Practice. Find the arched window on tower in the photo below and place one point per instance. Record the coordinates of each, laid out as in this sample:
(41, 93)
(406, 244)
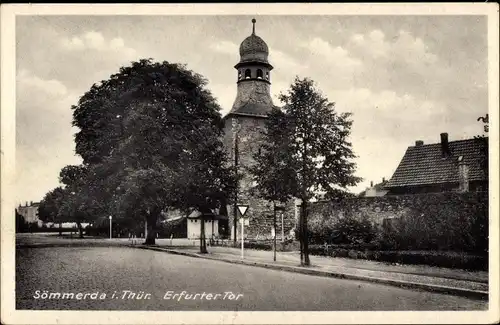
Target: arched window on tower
(248, 74)
(259, 74)
(239, 74)
(267, 75)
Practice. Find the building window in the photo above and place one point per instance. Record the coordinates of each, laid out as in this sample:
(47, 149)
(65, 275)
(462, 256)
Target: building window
(239, 74)
(248, 74)
(267, 75)
(259, 74)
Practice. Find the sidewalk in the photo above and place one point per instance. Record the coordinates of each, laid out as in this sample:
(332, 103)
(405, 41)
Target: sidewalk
(453, 281)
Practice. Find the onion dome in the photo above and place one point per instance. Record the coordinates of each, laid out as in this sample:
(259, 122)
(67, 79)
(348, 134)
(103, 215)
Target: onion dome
(253, 48)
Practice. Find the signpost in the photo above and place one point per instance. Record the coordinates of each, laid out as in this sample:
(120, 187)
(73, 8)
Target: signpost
(110, 223)
(281, 209)
(243, 209)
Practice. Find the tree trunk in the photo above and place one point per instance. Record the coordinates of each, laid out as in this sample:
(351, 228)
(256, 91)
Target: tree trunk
(80, 229)
(304, 234)
(151, 221)
(203, 242)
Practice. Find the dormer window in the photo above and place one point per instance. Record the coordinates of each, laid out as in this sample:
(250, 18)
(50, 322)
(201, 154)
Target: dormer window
(259, 74)
(248, 74)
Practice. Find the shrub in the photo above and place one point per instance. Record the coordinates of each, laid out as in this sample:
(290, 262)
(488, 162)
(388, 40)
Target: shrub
(259, 245)
(440, 259)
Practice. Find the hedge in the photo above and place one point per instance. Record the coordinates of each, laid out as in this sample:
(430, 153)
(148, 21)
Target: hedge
(435, 221)
(460, 260)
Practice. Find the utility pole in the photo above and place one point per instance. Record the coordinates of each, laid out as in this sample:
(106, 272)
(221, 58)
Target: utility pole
(235, 204)
(274, 228)
(282, 227)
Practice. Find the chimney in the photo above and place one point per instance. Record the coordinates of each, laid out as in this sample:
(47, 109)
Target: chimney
(31, 203)
(383, 179)
(371, 183)
(26, 203)
(419, 143)
(445, 148)
(463, 175)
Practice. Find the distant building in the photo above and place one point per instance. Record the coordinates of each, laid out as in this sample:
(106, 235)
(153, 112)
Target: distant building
(375, 190)
(211, 225)
(190, 225)
(442, 167)
(30, 212)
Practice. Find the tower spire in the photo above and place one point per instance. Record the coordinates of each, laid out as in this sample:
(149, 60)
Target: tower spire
(253, 27)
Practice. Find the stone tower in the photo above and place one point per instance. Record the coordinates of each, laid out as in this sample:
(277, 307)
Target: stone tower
(243, 126)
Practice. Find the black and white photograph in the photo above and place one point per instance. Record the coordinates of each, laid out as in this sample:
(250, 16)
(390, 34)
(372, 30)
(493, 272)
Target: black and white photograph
(308, 163)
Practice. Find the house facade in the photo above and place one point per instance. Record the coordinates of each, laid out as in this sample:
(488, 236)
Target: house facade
(459, 166)
(30, 212)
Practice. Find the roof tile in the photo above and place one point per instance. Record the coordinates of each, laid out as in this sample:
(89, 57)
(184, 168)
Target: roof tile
(424, 165)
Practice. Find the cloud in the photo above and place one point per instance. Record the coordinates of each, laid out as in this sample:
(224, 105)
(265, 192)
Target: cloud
(386, 114)
(225, 47)
(95, 41)
(44, 135)
(403, 47)
(52, 88)
(332, 65)
(77, 60)
(334, 55)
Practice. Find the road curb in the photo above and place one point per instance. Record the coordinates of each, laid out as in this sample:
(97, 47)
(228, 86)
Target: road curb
(75, 244)
(477, 294)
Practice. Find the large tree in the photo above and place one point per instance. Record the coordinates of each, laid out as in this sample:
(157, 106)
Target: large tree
(151, 137)
(311, 148)
(274, 168)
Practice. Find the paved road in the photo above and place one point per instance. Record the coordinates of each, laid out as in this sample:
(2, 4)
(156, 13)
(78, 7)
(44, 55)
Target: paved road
(108, 270)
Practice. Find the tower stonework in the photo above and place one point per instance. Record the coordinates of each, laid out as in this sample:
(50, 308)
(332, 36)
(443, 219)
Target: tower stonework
(243, 139)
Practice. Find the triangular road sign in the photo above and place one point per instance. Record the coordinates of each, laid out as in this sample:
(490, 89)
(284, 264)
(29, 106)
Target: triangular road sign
(243, 209)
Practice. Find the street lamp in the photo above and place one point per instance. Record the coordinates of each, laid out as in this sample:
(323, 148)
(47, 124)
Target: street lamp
(110, 225)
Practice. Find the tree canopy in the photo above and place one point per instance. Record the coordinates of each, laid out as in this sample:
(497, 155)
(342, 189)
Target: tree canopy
(307, 151)
(150, 139)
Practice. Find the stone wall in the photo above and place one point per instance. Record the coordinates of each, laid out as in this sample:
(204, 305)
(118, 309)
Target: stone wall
(435, 220)
(260, 211)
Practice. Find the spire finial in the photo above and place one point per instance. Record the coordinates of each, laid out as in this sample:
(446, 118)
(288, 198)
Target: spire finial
(253, 28)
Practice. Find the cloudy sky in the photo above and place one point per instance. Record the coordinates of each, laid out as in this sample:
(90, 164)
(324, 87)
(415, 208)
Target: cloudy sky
(404, 78)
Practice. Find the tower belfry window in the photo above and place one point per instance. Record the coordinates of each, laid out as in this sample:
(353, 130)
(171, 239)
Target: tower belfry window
(259, 74)
(267, 75)
(239, 74)
(248, 74)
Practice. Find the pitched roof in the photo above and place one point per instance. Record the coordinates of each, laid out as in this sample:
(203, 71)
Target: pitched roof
(253, 109)
(424, 164)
